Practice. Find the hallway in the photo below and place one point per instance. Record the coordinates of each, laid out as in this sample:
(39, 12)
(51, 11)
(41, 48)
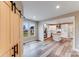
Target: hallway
(48, 49)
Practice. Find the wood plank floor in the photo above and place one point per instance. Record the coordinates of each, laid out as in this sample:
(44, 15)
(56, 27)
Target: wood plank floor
(48, 49)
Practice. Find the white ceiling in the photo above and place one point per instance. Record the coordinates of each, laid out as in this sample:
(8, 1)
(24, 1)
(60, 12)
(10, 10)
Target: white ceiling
(47, 9)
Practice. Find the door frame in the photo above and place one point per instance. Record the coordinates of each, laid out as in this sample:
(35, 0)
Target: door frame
(74, 33)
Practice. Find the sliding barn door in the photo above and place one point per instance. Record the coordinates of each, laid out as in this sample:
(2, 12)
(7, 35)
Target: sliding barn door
(4, 29)
(10, 31)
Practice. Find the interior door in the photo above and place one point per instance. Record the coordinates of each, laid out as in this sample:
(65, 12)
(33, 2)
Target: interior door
(16, 28)
(9, 31)
(4, 28)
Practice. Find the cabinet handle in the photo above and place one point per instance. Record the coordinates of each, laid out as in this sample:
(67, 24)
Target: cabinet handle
(13, 51)
(16, 48)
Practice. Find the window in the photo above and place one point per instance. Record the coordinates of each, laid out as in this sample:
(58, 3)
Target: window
(29, 28)
(26, 28)
(32, 28)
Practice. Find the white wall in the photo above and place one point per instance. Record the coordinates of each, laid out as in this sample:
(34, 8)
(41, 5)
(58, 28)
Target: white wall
(53, 21)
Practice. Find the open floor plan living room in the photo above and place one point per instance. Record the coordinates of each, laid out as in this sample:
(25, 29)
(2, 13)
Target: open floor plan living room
(39, 28)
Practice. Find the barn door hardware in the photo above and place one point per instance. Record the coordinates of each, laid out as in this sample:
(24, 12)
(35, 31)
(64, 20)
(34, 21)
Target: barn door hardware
(14, 8)
(12, 5)
(20, 13)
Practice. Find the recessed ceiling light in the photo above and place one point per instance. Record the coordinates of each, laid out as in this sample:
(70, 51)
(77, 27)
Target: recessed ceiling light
(57, 6)
(34, 17)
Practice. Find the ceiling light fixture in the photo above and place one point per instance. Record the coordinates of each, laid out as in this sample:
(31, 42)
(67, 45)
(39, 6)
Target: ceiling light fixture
(57, 6)
(34, 17)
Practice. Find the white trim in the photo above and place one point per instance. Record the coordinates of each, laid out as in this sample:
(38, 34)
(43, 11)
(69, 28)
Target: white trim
(74, 36)
(73, 46)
